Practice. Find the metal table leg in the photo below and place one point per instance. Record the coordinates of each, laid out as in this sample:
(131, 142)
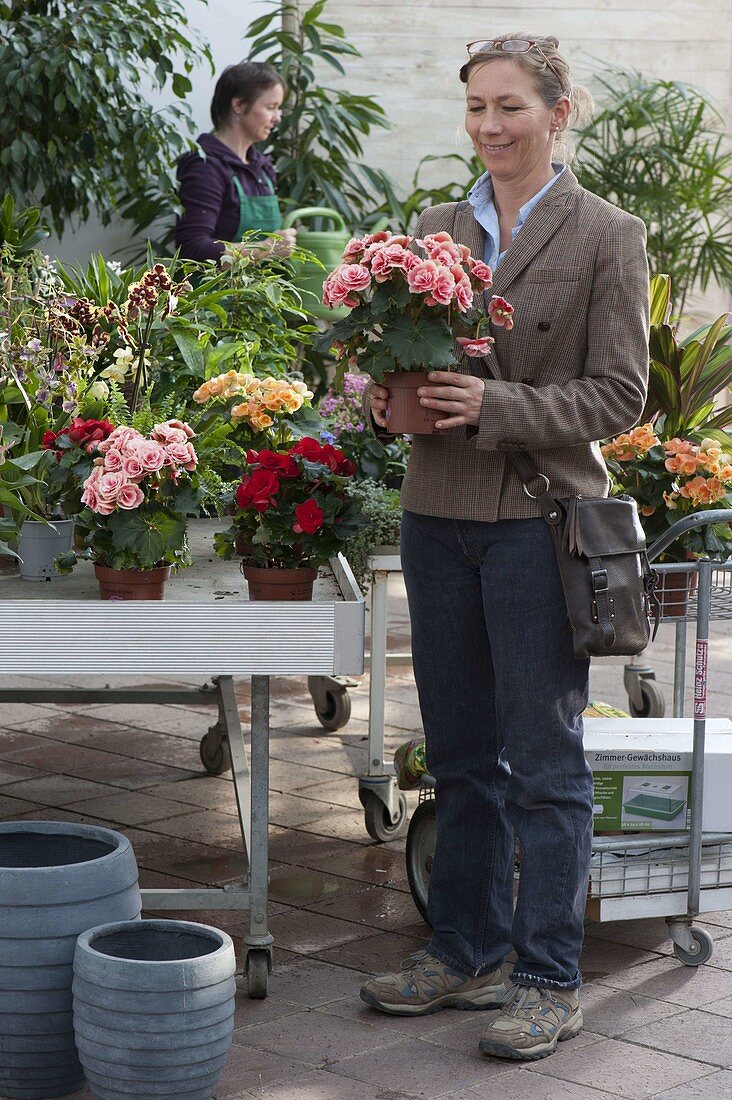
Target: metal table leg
(385, 810)
(259, 941)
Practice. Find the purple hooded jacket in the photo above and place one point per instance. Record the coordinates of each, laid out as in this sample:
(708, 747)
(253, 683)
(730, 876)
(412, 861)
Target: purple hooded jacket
(210, 202)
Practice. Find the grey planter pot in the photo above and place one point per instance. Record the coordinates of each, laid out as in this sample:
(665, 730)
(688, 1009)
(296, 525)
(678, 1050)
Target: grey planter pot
(154, 1009)
(38, 546)
(56, 879)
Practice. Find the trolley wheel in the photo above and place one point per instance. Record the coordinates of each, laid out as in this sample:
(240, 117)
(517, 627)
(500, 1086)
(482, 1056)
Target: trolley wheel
(257, 970)
(336, 712)
(215, 754)
(421, 852)
(654, 704)
(705, 947)
(378, 821)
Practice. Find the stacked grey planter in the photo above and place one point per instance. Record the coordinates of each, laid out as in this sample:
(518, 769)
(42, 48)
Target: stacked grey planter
(56, 879)
(154, 1009)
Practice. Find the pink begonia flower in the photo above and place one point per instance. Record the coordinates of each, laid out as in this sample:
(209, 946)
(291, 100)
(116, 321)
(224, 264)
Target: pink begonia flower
(444, 253)
(89, 496)
(113, 459)
(476, 347)
(150, 454)
(355, 247)
(481, 272)
(192, 459)
(163, 433)
(178, 453)
(444, 290)
(410, 261)
(354, 277)
(181, 426)
(109, 485)
(130, 496)
(433, 239)
(501, 312)
(133, 468)
(391, 257)
(120, 438)
(422, 278)
(376, 238)
(464, 295)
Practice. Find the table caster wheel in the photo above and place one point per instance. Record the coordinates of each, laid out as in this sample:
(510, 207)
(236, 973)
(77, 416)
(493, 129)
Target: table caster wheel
(421, 853)
(215, 753)
(653, 705)
(257, 973)
(705, 947)
(378, 820)
(336, 712)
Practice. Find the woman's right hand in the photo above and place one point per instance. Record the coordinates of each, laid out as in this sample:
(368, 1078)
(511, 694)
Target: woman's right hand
(283, 244)
(380, 405)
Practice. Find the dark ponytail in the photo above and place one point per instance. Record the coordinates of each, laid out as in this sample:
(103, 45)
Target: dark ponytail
(245, 81)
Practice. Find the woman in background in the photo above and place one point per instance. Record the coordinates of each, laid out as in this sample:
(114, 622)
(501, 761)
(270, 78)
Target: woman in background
(229, 187)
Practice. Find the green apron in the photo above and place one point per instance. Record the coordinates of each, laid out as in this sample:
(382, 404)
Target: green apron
(257, 212)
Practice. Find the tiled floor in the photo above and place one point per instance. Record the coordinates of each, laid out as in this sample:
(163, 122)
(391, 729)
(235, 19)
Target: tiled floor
(341, 909)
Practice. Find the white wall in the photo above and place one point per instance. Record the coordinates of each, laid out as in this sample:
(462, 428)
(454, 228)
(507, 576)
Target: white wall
(222, 23)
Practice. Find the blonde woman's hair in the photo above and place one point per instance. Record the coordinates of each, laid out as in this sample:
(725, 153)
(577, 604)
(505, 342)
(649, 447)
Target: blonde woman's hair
(552, 79)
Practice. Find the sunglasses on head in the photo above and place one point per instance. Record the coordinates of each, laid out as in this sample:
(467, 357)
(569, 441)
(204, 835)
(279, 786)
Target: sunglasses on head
(512, 46)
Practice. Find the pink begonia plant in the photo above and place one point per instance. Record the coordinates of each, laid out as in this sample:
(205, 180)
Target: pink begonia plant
(410, 300)
(128, 458)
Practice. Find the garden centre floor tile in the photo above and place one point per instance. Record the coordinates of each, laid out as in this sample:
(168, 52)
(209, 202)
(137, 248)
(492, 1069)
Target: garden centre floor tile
(341, 909)
(718, 1086)
(620, 1067)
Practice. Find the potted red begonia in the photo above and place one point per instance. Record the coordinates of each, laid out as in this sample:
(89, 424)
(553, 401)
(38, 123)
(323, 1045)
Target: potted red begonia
(294, 512)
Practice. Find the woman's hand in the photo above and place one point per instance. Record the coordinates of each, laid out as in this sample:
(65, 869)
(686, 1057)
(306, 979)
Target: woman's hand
(380, 405)
(282, 246)
(459, 396)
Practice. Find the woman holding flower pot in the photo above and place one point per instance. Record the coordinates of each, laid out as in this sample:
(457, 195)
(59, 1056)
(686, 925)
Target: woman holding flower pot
(500, 690)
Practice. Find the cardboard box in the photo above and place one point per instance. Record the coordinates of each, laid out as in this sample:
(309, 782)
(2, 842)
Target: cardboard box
(642, 773)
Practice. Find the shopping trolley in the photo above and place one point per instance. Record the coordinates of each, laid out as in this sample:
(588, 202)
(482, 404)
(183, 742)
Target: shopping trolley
(679, 875)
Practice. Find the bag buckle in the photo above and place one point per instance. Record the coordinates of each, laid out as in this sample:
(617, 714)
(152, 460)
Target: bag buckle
(599, 581)
(545, 489)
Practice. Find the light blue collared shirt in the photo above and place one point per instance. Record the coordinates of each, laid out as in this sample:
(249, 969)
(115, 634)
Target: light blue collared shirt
(480, 197)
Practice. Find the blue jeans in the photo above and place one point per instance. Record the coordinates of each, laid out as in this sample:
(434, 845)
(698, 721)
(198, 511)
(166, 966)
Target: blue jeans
(501, 696)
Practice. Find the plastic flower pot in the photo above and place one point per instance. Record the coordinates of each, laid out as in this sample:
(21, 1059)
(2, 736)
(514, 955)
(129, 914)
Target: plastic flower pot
(673, 591)
(279, 584)
(132, 584)
(154, 1009)
(407, 416)
(56, 880)
(38, 545)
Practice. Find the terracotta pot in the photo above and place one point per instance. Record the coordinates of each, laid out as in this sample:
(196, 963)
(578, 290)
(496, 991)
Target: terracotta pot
(131, 584)
(279, 584)
(673, 591)
(408, 417)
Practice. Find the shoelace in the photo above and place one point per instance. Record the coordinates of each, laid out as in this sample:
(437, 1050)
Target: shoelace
(412, 962)
(520, 998)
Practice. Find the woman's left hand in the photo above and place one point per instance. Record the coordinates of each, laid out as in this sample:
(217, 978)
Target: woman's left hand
(459, 396)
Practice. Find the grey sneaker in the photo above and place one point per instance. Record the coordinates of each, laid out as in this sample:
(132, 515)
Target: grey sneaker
(426, 985)
(531, 1023)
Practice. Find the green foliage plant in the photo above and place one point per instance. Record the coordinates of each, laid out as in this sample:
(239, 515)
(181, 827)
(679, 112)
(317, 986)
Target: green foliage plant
(318, 146)
(380, 505)
(686, 376)
(658, 150)
(77, 130)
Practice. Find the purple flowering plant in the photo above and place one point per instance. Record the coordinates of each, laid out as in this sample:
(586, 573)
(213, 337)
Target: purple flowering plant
(345, 426)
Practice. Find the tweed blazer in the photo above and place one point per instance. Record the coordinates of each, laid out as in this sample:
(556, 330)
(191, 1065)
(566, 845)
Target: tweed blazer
(573, 370)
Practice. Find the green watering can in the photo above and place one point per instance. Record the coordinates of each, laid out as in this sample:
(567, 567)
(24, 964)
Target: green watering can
(328, 246)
